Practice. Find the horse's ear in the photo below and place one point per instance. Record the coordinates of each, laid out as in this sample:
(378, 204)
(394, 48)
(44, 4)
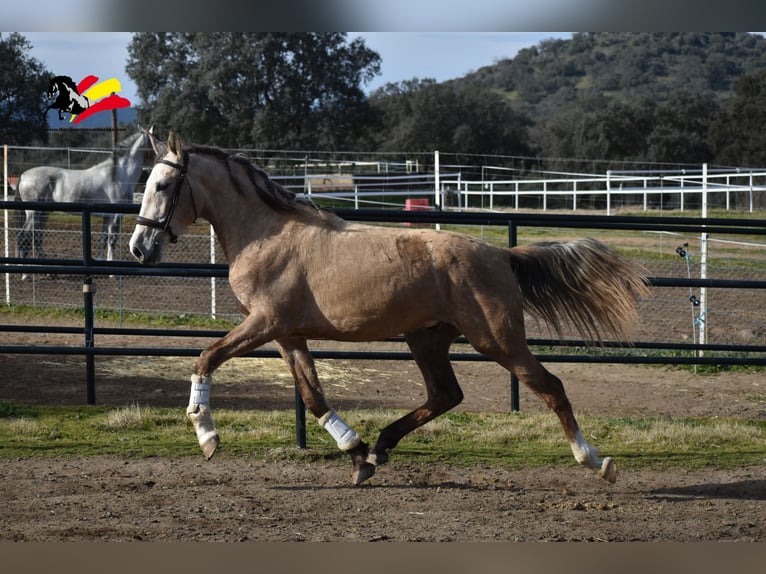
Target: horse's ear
(174, 143)
(158, 146)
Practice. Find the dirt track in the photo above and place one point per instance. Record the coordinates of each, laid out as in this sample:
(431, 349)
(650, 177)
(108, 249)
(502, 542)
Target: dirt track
(260, 500)
(266, 497)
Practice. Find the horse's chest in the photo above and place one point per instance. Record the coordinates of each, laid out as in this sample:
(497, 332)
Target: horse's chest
(262, 277)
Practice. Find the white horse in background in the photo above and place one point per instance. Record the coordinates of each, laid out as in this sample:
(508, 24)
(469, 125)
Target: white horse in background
(113, 180)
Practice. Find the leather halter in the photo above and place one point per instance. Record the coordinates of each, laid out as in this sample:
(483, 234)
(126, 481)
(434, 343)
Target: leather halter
(164, 223)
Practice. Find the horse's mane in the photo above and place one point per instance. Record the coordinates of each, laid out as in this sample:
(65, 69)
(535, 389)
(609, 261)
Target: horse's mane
(128, 141)
(66, 80)
(276, 196)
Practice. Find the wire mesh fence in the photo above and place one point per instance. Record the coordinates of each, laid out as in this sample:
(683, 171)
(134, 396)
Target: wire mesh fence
(673, 314)
(670, 314)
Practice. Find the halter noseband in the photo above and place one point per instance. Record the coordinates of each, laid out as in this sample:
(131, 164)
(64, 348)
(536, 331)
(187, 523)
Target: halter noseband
(164, 223)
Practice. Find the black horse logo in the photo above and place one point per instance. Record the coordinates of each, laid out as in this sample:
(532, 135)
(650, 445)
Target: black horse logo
(67, 98)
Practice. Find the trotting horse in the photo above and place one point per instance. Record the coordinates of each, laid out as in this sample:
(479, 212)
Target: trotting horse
(110, 181)
(301, 272)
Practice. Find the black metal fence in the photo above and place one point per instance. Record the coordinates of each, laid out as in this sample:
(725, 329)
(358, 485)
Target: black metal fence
(636, 352)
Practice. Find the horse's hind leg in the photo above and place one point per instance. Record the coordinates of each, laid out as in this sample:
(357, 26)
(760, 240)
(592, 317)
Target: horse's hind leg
(296, 354)
(430, 349)
(39, 221)
(550, 389)
(30, 237)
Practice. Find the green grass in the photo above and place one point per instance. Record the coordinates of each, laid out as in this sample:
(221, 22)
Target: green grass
(139, 319)
(504, 440)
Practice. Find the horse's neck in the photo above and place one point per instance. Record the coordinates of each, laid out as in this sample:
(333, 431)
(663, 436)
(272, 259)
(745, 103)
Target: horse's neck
(239, 227)
(127, 168)
(252, 226)
(130, 165)
(239, 214)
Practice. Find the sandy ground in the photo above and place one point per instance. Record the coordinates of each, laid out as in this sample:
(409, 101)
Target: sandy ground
(266, 497)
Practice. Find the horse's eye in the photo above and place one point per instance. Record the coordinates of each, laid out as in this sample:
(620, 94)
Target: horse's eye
(162, 186)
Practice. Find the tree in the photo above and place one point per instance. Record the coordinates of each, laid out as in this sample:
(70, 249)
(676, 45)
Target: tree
(595, 127)
(737, 136)
(266, 90)
(421, 115)
(682, 128)
(23, 86)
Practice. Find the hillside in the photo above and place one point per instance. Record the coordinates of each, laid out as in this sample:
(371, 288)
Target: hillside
(680, 98)
(622, 65)
(99, 120)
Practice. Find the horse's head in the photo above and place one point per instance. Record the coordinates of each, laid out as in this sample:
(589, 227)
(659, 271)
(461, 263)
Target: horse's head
(163, 216)
(61, 85)
(53, 88)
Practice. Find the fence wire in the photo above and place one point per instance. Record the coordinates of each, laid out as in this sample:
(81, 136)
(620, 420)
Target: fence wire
(671, 314)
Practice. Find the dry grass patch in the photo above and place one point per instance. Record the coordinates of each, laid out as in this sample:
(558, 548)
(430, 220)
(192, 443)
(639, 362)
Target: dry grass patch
(22, 426)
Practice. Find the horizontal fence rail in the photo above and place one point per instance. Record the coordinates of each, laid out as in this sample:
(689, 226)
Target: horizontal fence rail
(639, 352)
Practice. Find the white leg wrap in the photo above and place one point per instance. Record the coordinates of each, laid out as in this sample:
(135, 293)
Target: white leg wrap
(345, 436)
(199, 414)
(202, 419)
(200, 390)
(584, 453)
(587, 455)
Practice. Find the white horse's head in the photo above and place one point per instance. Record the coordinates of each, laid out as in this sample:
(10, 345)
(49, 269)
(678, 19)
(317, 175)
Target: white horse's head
(163, 216)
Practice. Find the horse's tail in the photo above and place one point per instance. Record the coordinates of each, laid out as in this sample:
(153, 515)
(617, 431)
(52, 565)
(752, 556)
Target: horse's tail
(582, 282)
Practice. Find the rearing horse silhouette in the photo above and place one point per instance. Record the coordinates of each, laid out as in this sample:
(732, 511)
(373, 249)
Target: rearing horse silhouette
(300, 272)
(68, 99)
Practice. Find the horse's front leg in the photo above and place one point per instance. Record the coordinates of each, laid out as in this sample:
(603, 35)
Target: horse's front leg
(296, 354)
(111, 224)
(248, 335)
(200, 415)
(110, 235)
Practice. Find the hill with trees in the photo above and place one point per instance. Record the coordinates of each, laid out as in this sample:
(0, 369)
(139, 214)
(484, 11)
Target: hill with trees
(624, 66)
(607, 97)
(687, 97)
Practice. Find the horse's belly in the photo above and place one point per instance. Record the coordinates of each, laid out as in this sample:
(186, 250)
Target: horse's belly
(380, 284)
(380, 311)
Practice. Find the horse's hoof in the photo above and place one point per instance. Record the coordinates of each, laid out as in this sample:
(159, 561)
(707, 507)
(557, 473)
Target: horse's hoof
(209, 447)
(378, 458)
(608, 470)
(363, 473)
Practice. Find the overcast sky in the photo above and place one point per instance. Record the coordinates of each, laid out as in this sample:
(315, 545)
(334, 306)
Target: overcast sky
(405, 55)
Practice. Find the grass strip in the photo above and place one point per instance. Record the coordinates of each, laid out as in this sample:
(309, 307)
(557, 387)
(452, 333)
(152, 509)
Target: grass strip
(512, 440)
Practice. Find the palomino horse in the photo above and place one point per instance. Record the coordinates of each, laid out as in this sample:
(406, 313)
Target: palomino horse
(110, 181)
(301, 272)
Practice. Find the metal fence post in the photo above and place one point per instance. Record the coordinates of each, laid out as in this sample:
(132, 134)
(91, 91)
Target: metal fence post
(88, 290)
(515, 400)
(6, 224)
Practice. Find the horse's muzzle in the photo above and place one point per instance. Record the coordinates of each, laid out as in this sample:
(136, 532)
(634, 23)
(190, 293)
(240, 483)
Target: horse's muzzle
(144, 254)
(138, 253)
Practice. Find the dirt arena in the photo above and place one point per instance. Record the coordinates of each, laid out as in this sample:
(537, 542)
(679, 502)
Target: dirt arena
(265, 497)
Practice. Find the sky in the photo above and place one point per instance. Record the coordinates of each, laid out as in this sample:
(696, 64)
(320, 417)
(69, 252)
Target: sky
(405, 55)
